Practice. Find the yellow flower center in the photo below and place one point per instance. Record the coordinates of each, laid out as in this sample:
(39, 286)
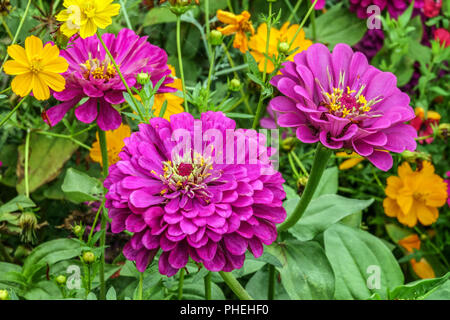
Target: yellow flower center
(35, 64)
(418, 196)
(345, 103)
(89, 9)
(99, 70)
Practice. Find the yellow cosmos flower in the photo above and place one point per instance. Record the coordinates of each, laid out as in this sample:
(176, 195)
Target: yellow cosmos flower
(114, 144)
(353, 160)
(236, 24)
(36, 68)
(415, 195)
(257, 43)
(85, 16)
(422, 268)
(174, 102)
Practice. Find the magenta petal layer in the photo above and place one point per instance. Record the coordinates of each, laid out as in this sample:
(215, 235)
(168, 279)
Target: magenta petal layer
(91, 74)
(340, 100)
(194, 202)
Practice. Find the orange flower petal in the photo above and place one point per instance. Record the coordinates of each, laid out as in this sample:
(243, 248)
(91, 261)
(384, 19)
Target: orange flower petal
(22, 84)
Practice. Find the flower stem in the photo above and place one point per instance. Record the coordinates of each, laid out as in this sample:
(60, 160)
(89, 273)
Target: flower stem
(125, 14)
(207, 280)
(311, 8)
(208, 29)
(12, 112)
(293, 9)
(104, 150)
(208, 85)
(27, 156)
(313, 25)
(8, 31)
(235, 286)
(271, 290)
(180, 284)
(319, 165)
(259, 109)
(17, 33)
(141, 286)
(94, 224)
(180, 63)
(120, 74)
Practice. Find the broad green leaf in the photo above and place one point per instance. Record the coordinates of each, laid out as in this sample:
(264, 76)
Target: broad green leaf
(328, 184)
(196, 291)
(111, 294)
(306, 273)
(43, 290)
(47, 157)
(16, 204)
(397, 233)
(49, 253)
(418, 289)
(440, 293)
(159, 15)
(323, 212)
(80, 187)
(359, 261)
(258, 289)
(338, 25)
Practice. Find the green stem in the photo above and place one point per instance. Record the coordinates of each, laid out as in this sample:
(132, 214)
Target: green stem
(120, 74)
(17, 33)
(319, 165)
(208, 86)
(299, 162)
(271, 291)
(259, 108)
(27, 156)
(12, 111)
(104, 150)
(313, 25)
(125, 14)
(180, 284)
(94, 224)
(208, 286)
(235, 286)
(311, 8)
(180, 63)
(208, 28)
(294, 169)
(8, 31)
(4, 90)
(141, 286)
(293, 10)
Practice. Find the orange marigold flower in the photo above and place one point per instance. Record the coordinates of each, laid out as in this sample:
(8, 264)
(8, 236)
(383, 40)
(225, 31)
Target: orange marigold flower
(415, 195)
(238, 25)
(257, 43)
(36, 68)
(422, 268)
(114, 144)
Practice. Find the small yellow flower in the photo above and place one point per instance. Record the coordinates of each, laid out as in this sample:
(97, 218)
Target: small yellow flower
(236, 24)
(114, 144)
(257, 43)
(353, 160)
(85, 16)
(415, 195)
(422, 268)
(174, 102)
(36, 68)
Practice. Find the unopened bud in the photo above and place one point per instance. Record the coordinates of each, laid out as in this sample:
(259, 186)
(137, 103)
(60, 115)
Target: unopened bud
(4, 295)
(142, 78)
(215, 37)
(61, 279)
(77, 230)
(234, 85)
(288, 144)
(413, 156)
(88, 257)
(444, 130)
(28, 224)
(301, 184)
(283, 47)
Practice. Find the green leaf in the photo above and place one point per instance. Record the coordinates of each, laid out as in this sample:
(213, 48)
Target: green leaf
(159, 15)
(80, 187)
(258, 289)
(328, 184)
(49, 253)
(43, 290)
(440, 293)
(323, 212)
(111, 294)
(306, 273)
(18, 203)
(338, 25)
(196, 291)
(47, 157)
(418, 289)
(357, 258)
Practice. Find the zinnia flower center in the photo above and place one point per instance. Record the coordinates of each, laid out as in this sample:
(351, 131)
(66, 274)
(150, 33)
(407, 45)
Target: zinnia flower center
(99, 70)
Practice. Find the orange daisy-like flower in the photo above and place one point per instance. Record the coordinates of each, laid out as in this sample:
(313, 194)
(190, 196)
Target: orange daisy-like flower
(236, 24)
(114, 144)
(415, 195)
(422, 268)
(36, 68)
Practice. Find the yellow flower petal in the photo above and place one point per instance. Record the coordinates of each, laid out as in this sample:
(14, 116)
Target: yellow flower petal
(88, 29)
(22, 84)
(54, 80)
(410, 243)
(18, 53)
(40, 89)
(350, 163)
(391, 207)
(394, 184)
(33, 47)
(13, 67)
(226, 17)
(423, 269)
(230, 29)
(426, 215)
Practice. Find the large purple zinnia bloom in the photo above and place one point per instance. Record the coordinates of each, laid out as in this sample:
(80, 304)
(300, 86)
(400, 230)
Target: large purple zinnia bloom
(92, 75)
(343, 102)
(205, 209)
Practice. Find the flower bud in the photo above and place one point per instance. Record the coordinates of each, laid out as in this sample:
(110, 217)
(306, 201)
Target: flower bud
(61, 279)
(413, 156)
(28, 224)
(234, 85)
(88, 257)
(142, 78)
(77, 230)
(283, 47)
(5, 9)
(4, 295)
(444, 130)
(301, 184)
(288, 144)
(215, 37)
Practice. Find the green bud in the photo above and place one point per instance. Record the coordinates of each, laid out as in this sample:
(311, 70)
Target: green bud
(4, 295)
(215, 37)
(234, 85)
(61, 279)
(413, 156)
(142, 78)
(301, 184)
(288, 144)
(88, 257)
(283, 47)
(444, 130)
(77, 230)
(28, 224)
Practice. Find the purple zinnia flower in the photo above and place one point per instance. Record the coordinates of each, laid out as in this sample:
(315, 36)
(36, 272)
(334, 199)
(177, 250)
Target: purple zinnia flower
(394, 7)
(193, 203)
(343, 102)
(319, 5)
(91, 74)
(371, 43)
